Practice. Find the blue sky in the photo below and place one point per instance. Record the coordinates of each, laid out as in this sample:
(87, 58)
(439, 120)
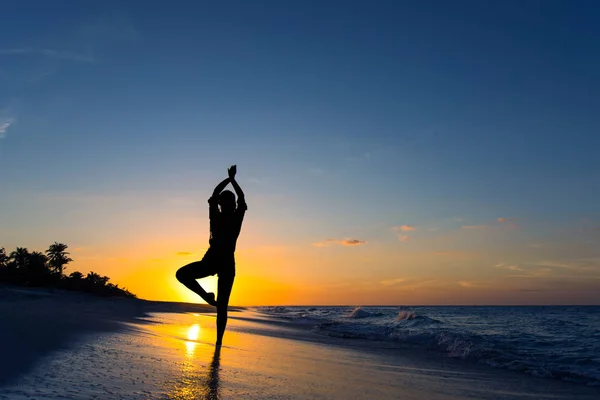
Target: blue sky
(345, 118)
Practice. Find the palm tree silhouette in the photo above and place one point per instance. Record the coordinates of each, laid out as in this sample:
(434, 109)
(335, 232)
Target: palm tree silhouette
(96, 279)
(19, 257)
(36, 272)
(3, 258)
(58, 257)
(36, 262)
(76, 276)
(37, 269)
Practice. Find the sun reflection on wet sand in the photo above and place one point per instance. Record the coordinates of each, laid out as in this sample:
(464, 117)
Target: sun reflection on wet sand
(190, 344)
(198, 380)
(194, 332)
(190, 348)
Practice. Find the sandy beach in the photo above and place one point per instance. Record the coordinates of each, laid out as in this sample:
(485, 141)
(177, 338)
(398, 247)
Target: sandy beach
(70, 346)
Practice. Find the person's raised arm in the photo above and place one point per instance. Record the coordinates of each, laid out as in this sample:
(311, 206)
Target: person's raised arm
(220, 187)
(238, 190)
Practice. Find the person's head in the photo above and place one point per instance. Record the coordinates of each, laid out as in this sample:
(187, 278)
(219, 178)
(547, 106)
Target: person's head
(227, 201)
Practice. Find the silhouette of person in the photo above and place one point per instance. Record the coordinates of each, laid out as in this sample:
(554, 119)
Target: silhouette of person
(225, 226)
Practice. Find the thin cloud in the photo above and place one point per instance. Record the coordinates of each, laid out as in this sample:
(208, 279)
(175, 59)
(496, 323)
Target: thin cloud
(506, 219)
(389, 282)
(581, 264)
(418, 284)
(531, 272)
(508, 222)
(184, 253)
(583, 267)
(401, 230)
(352, 242)
(405, 228)
(341, 242)
(475, 284)
(4, 125)
(403, 284)
(64, 55)
(543, 269)
(474, 227)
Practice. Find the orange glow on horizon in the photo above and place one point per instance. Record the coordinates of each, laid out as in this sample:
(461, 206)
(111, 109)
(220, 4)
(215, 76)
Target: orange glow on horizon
(437, 272)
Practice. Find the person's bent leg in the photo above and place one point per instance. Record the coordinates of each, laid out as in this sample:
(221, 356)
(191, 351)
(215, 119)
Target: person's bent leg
(224, 291)
(188, 275)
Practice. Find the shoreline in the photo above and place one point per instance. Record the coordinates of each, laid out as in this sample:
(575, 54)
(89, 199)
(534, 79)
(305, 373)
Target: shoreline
(85, 347)
(55, 330)
(424, 358)
(429, 331)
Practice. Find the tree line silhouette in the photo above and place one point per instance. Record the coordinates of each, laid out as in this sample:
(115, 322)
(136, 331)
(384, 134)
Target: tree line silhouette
(37, 269)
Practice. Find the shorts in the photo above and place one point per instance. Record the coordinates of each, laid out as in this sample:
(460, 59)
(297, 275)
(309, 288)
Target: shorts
(219, 263)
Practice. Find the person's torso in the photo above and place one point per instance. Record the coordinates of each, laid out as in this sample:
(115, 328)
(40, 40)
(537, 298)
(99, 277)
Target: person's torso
(224, 231)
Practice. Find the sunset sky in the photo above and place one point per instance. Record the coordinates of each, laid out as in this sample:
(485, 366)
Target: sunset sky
(392, 152)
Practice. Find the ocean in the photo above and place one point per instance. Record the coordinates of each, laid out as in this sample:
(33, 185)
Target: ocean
(561, 342)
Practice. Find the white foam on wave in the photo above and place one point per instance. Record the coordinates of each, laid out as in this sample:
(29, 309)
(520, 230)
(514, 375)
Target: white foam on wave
(358, 312)
(406, 315)
(466, 334)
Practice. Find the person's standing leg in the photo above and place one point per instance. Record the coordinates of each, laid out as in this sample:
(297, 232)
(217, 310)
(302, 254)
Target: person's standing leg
(224, 291)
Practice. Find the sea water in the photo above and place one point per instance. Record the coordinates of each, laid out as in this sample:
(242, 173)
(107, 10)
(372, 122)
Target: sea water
(553, 342)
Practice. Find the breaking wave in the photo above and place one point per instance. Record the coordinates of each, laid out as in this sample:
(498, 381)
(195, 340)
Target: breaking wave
(509, 339)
